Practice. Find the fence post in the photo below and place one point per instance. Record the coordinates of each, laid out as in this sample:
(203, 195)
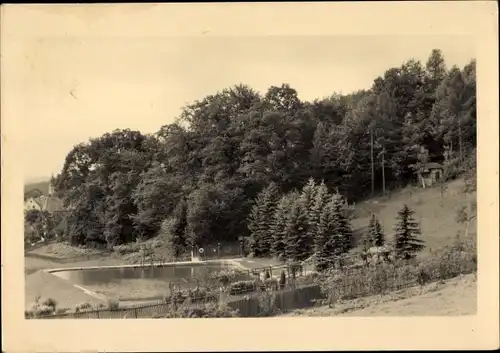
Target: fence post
(98, 314)
(135, 312)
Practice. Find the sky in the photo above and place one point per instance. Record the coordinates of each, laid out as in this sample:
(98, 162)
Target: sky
(77, 87)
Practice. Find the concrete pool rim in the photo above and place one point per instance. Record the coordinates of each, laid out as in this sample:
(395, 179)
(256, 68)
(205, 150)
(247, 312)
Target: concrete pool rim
(233, 262)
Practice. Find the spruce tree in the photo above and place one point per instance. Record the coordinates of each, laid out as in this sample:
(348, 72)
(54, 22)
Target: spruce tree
(261, 220)
(342, 224)
(406, 242)
(320, 201)
(368, 235)
(306, 238)
(329, 240)
(297, 245)
(283, 209)
(376, 236)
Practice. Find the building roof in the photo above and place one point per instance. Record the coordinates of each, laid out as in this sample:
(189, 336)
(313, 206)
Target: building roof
(35, 200)
(433, 166)
(429, 166)
(52, 204)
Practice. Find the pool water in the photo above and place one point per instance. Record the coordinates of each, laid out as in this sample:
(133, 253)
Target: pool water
(168, 273)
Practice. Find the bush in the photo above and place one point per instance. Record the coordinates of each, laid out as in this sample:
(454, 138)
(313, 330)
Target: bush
(36, 310)
(50, 302)
(62, 311)
(267, 304)
(113, 304)
(195, 295)
(211, 310)
(243, 287)
(461, 258)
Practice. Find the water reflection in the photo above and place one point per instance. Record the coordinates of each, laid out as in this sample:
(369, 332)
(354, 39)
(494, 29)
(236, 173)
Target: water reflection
(168, 273)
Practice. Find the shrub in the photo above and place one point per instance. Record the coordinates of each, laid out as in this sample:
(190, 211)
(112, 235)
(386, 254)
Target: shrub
(243, 287)
(113, 304)
(62, 311)
(210, 310)
(85, 306)
(267, 304)
(36, 310)
(50, 302)
(461, 258)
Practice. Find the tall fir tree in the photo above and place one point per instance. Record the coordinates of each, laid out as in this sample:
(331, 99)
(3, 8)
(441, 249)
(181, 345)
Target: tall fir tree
(297, 245)
(375, 235)
(330, 242)
(321, 199)
(406, 241)
(342, 224)
(283, 209)
(261, 220)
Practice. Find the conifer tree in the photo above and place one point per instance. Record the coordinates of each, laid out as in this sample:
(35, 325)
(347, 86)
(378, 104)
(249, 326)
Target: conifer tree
(308, 195)
(297, 244)
(376, 236)
(406, 241)
(329, 240)
(321, 199)
(261, 220)
(283, 209)
(342, 224)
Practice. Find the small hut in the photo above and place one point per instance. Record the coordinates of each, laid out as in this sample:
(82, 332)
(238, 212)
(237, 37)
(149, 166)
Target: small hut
(429, 173)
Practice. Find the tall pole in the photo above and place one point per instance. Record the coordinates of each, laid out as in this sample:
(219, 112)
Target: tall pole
(373, 166)
(383, 170)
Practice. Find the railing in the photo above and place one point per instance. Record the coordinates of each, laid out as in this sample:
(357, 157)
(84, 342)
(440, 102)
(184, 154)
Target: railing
(246, 304)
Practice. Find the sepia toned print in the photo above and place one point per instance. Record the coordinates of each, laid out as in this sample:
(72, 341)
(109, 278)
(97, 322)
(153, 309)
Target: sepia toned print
(259, 204)
(302, 174)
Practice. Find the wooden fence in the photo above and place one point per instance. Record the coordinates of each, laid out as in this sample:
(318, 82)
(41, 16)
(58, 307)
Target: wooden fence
(279, 301)
(250, 305)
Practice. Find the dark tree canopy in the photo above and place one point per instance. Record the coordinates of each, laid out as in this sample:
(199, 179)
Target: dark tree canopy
(228, 147)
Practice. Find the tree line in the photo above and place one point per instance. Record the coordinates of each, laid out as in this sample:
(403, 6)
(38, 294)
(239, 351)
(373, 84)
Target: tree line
(314, 222)
(196, 180)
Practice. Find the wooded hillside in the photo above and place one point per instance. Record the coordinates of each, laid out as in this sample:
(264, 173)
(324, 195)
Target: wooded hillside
(196, 180)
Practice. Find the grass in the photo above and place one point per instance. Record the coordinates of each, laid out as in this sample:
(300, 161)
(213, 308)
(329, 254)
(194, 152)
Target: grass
(456, 296)
(438, 223)
(46, 285)
(439, 228)
(63, 251)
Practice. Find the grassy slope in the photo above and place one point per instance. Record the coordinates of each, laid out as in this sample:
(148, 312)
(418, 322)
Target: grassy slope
(47, 285)
(457, 296)
(438, 223)
(438, 227)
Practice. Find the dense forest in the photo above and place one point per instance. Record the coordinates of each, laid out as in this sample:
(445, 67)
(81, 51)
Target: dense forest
(198, 178)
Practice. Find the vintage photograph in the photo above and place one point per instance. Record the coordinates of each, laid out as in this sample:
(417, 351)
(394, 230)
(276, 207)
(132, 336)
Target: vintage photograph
(255, 176)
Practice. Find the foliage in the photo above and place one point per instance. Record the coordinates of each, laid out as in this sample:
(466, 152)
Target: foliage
(113, 304)
(40, 308)
(208, 310)
(406, 241)
(267, 304)
(278, 227)
(261, 221)
(195, 181)
(375, 235)
(459, 258)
